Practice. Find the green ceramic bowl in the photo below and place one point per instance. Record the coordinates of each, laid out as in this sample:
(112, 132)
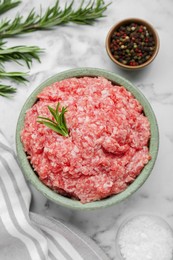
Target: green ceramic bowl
(67, 202)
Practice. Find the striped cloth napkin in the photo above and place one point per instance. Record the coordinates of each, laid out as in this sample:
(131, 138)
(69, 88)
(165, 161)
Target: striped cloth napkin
(28, 236)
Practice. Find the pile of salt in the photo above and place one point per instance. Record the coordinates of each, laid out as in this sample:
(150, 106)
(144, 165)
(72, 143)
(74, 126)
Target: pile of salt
(145, 238)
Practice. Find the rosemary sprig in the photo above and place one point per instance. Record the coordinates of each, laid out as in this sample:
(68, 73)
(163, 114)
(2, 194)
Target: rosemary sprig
(6, 91)
(6, 5)
(20, 53)
(53, 16)
(58, 124)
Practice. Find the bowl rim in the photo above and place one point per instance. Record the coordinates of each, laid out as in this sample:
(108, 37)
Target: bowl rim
(125, 21)
(138, 182)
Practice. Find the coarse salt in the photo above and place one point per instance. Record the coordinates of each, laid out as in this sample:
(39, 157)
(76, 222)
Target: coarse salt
(145, 238)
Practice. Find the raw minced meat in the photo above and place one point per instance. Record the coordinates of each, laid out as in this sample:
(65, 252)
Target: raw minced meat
(108, 142)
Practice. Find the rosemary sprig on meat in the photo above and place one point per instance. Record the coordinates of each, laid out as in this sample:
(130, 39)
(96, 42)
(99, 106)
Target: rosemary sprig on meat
(58, 124)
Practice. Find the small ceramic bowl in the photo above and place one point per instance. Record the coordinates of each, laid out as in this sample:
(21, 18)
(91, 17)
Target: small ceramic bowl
(125, 23)
(141, 233)
(67, 202)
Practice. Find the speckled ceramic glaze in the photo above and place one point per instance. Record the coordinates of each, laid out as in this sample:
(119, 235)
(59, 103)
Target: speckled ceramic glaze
(67, 202)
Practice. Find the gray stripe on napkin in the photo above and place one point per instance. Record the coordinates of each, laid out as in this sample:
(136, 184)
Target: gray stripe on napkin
(10, 209)
(11, 248)
(58, 246)
(52, 256)
(8, 149)
(18, 191)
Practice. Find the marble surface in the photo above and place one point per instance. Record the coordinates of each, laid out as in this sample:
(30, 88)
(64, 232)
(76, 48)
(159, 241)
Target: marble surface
(73, 46)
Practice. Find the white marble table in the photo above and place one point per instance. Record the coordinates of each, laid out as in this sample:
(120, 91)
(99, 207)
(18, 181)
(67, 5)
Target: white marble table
(78, 46)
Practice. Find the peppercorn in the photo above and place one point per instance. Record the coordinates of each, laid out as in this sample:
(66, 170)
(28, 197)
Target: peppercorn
(132, 44)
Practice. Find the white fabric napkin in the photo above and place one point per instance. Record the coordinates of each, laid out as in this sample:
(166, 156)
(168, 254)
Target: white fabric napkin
(28, 236)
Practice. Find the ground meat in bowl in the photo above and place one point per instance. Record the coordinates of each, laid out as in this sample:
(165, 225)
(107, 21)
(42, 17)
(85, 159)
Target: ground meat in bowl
(107, 146)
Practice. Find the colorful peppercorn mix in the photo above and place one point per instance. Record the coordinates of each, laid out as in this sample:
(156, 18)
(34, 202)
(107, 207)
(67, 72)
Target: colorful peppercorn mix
(132, 44)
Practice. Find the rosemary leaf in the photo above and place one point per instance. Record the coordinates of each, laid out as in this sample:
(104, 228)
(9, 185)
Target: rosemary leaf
(6, 5)
(58, 124)
(15, 76)
(55, 128)
(62, 120)
(45, 118)
(6, 91)
(54, 113)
